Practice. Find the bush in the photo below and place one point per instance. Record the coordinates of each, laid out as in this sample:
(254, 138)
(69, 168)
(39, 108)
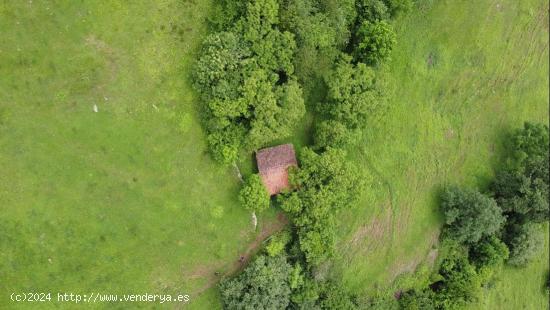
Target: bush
(254, 195)
(469, 215)
(418, 300)
(263, 285)
(277, 243)
(375, 42)
(524, 241)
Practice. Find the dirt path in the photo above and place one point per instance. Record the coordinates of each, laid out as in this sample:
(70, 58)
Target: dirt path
(209, 272)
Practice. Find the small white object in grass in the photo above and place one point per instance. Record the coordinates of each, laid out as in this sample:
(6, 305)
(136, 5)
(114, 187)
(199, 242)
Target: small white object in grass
(154, 106)
(254, 219)
(95, 108)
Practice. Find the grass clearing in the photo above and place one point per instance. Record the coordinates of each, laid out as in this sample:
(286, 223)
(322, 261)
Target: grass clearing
(463, 74)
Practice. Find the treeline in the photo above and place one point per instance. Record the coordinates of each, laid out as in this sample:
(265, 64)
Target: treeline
(336, 44)
(483, 231)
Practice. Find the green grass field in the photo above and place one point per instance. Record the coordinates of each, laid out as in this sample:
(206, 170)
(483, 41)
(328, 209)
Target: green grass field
(463, 74)
(127, 200)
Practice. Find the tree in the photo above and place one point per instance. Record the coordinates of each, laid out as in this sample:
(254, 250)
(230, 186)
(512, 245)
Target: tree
(331, 133)
(325, 183)
(524, 241)
(460, 283)
(217, 73)
(469, 215)
(353, 93)
(245, 78)
(263, 285)
(521, 189)
(277, 243)
(375, 42)
(254, 195)
(488, 252)
(371, 11)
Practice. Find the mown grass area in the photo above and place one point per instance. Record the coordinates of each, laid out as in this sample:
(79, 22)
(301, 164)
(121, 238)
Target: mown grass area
(125, 200)
(464, 73)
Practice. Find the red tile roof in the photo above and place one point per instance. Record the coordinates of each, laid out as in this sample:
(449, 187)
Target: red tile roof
(273, 163)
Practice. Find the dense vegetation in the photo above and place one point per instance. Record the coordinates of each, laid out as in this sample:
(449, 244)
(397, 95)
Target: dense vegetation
(481, 231)
(246, 78)
(475, 225)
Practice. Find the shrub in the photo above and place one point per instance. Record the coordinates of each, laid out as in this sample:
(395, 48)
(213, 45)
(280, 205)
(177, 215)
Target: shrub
(375, 42)
(277, 243)
(418, 300)
(524, 241)
(262, 285)
(469, 215)
(254, 195)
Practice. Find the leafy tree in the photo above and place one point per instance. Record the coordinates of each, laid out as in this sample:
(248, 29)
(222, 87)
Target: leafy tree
(218, 71)
(524, 241)
(331, 133)
(375, 42)
(353, 93)
(245, 77)
(277, 243)
(469, 215)
(488, 252)
(460, 283)
(263, 285)
(371, 10)
(521, 189)
(326, 183)
(254, 195)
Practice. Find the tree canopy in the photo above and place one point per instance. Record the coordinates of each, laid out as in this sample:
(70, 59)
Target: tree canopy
(245, 77)
(254, 195)
(326, 183)
(264, 284)
(470, 215)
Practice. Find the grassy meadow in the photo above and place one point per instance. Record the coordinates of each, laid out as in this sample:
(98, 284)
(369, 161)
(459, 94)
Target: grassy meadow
(463, 74)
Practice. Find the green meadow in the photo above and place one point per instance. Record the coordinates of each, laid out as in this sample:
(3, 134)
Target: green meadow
(128, 200)
(463, 74)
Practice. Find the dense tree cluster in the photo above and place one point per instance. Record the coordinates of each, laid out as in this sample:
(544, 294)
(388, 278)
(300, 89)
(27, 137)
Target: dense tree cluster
(264, 284)
(245, 75)
(521, 190)
(327, 183)
(491, 231)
